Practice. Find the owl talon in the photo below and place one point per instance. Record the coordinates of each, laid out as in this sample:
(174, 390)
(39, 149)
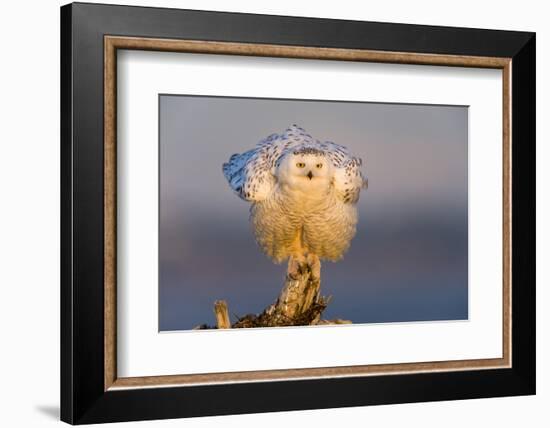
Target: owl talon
(296, 268)
(314, 266)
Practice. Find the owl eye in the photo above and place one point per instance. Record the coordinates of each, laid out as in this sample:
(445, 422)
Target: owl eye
(319, 165)
(300, 165)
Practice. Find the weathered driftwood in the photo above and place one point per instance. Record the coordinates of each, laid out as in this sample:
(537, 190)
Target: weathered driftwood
(222, 314)
(300, 303)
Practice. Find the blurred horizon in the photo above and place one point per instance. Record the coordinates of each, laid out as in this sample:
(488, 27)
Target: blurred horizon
(409, 258)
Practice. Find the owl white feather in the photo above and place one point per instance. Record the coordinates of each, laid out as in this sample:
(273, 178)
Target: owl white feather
(303, 196)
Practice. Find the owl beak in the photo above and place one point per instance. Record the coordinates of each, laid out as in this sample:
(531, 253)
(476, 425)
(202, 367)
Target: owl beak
(310, 175)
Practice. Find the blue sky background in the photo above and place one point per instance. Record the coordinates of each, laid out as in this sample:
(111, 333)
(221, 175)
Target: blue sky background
(409, 259)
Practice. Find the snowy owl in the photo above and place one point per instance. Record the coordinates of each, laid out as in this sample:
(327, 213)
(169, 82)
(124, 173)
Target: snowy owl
(303, 196)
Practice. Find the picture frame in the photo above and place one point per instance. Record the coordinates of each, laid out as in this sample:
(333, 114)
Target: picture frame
(91, 36)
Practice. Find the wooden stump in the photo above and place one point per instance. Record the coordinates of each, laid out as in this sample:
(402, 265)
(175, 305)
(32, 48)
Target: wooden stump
(299, 303)
(222, 314)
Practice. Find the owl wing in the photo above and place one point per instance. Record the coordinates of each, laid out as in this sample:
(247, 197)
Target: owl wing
(348, 179)
(251, 174)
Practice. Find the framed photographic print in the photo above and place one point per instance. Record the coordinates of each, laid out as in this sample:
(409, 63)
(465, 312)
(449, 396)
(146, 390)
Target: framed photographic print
(265, 213)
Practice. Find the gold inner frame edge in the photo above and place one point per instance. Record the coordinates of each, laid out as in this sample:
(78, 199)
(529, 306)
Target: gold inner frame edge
(113, 43)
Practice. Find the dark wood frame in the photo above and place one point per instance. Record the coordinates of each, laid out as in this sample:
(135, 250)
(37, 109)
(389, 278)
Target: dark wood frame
(90, 390)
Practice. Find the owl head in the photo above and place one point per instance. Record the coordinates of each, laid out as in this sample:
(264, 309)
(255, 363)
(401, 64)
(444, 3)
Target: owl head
(308, 169)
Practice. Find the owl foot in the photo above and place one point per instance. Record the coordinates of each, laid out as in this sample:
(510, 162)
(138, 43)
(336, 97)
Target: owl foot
(315, 266)
(297, 266)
